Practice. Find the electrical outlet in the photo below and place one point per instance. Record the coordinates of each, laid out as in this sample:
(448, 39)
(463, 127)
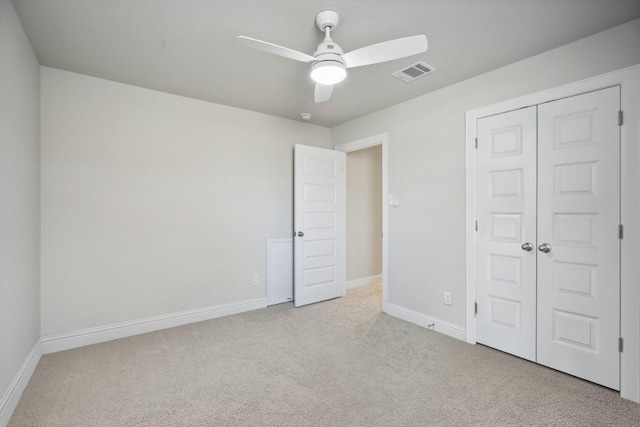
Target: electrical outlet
(448, 299)
(256, 280)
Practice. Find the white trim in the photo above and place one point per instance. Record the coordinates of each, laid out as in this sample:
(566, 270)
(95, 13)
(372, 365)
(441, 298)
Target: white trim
(470, 292)
(11, 397)
(80, 338)
(360, 144)
(364, 281)
(438, 325)
(629, 81)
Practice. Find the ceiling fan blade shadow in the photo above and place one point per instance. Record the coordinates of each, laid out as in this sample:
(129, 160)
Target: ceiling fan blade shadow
(386, 51)
(323, 92)
(274, 49)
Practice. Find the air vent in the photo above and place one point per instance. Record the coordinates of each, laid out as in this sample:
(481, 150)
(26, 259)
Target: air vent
(414, 71)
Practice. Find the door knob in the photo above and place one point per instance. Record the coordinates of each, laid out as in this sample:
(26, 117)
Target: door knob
(545, 247)
(527, 247)
(300, 234)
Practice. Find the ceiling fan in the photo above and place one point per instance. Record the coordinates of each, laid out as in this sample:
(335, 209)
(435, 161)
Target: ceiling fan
(329, 63)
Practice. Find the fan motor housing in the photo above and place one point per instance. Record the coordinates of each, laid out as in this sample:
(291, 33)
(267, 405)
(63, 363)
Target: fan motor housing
(329, 50)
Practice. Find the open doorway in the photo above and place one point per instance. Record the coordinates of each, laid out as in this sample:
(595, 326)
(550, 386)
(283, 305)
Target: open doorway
(311, 266)
(364, 217)
(366, 213)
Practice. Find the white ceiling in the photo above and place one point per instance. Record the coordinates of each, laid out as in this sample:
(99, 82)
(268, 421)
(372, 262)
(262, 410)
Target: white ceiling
(185, 47)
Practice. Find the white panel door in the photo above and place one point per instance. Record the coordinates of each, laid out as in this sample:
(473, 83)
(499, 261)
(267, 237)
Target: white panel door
(319, 224)
(506, 214)
(578, 216)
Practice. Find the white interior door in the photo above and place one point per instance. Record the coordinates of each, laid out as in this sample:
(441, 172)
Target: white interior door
(319, 224)
(506, 214)
(578, 217)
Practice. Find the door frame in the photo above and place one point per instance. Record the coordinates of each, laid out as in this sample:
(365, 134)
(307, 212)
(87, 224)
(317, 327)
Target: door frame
(629, 81)
(381, 139)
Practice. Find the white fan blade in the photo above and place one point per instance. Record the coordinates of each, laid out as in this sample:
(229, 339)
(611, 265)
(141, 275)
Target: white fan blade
(274, 49)
(386, 51)
(323, 92)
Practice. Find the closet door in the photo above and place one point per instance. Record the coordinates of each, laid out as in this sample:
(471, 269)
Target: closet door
(578, 216)
(506, 255)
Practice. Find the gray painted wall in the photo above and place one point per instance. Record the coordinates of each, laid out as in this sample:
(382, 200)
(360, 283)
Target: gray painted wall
(19, 196)
(427, 162)
(155, 203)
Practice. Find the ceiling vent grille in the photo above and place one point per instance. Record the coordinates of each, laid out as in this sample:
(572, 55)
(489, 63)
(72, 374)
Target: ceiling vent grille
(414, 71)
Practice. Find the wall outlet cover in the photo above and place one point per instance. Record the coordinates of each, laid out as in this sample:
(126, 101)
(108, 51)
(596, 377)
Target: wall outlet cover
(448, 299)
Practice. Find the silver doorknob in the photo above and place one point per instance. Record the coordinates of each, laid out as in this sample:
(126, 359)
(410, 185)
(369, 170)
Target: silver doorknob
(300, 234)
(545, 247)
(527, 247)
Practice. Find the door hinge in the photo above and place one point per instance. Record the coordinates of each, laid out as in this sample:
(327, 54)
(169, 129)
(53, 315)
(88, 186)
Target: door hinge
(620, 231)
(476, 226)
(476, 143)
(475, 308)
(620, 344)
(620, 118)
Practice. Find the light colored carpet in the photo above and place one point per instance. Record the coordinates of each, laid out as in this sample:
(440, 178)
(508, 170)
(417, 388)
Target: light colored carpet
(337, 363)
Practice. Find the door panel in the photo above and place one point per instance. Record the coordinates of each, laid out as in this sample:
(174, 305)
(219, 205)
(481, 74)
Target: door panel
(320, 215)
(579, 211)
(506, 209)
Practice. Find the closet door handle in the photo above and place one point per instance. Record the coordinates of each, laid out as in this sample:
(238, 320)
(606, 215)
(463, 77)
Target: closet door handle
(545, 247)
(527, 247)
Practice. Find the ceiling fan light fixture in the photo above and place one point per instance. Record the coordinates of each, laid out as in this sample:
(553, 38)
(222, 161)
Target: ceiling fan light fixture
(329, 63)
(328, 72)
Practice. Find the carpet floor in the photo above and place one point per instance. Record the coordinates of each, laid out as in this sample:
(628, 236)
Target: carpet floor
(336, 363)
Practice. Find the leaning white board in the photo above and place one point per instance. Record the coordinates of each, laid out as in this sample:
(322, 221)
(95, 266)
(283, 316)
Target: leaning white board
(279, 270)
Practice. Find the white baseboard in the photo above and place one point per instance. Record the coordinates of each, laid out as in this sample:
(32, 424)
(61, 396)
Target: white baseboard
(11, 397)
(372, 280)
(432, 323)
(80, 338)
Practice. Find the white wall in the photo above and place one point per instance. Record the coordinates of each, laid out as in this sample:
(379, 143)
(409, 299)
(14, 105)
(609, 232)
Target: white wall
(427, 162)
(364, 213)
(19, 196)
(154, 203)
